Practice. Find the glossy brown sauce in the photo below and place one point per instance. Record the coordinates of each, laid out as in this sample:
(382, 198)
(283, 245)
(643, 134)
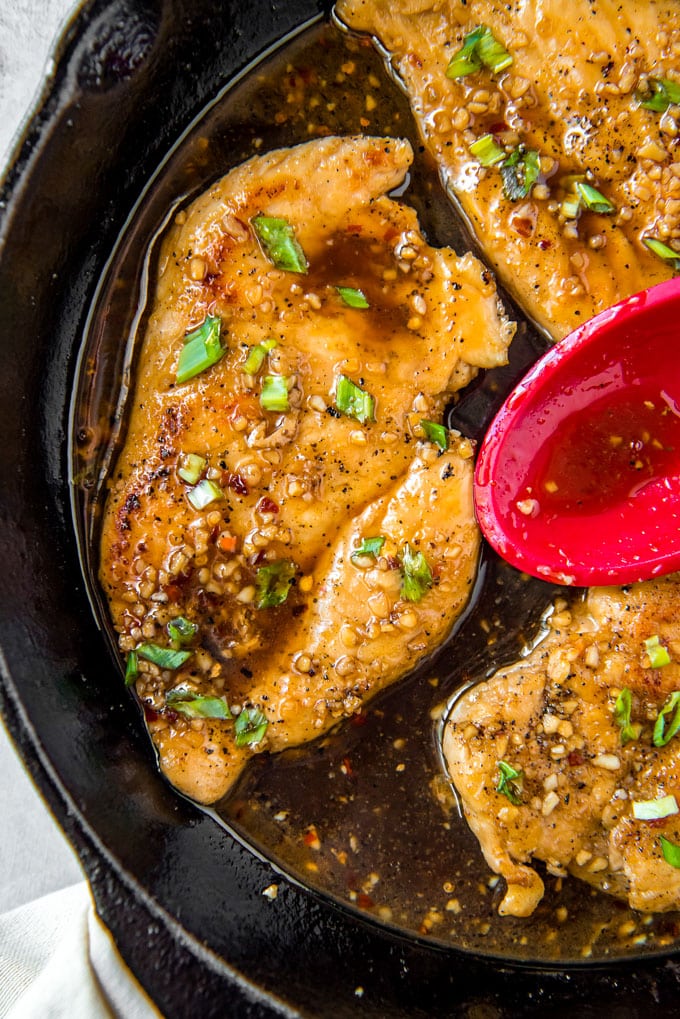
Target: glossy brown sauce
(365, 815)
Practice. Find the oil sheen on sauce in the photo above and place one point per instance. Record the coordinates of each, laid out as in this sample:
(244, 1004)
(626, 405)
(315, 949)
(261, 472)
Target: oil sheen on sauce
(607, 451)
(365, 815)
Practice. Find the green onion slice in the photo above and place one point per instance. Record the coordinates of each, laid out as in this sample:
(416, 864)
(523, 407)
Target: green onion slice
(191, 466)
(520, 171)
(653, 810)
(436, 433)
(416, 575)
(510, 782)
(280, 244)
(671, 852)
(487, 151)
(371, 547)
(479, 47)
(353, 297)
(250, 727)
(622, 709)
(181, 630)
(353, 401)
(202, 349)
(274, 582)
(205, 492)
(571, 206)
(274, 394)
(256, 356)
(662, 93)
(661, 737)
(656, 652)
(192, 706)
(593, 199)
(163, 657)
(131, 668)
(663, 252)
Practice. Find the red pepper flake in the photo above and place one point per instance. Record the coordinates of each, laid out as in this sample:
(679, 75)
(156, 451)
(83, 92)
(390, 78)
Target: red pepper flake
(522, 225)
(544, 244)
(311, 838)
(415, 60)
(359, 719)
(354, 228)
(575, 758)
(498, 127)
(171, 715)
(267, 505)
(365, 901)
(227, 543)
(237, 484)
(346, 767)
(393, 562)
(150, 714)
(174, 592)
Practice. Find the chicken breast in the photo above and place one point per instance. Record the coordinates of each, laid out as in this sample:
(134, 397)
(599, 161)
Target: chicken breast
(569, 756)
(283, 535)
(543, 139)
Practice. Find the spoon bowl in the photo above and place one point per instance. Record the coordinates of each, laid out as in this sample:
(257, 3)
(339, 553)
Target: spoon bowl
(578, 477)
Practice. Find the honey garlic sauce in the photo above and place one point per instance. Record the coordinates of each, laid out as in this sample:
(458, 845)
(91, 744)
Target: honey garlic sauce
(349, 813)
(571, 94)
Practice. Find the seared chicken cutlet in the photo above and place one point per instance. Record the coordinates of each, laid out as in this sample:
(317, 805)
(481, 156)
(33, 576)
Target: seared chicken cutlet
(555, 130)
(290, 526)
(570, 756)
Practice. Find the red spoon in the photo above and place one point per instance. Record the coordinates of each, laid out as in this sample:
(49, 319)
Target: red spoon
(578, 477)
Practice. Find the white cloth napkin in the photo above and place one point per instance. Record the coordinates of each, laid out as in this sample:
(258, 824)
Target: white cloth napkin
(58, 961)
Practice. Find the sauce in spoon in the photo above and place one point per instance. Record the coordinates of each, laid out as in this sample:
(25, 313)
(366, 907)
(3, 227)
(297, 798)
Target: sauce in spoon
(578, 477)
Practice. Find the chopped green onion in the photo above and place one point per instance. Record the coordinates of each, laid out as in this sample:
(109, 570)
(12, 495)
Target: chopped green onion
(656, 652)
(622, 709)
(371, 547)
(181, 630)
(479, 47)
(520, 171)
(435, 433)
(163, 657)
(182, 701)
(653, 810)
(250, 727)
(131, 668)
(671, 852)
(353, 297)
(593, 199)
(487, 150)
(205, 492)
(492, 53)
(662, 93)
(571, 206)
(280, 244)
(202, 349)
(466, 60)
(661, 738)
(510, 782)
(256, 356)
(663, 252)
(273, 583)
(353, 401)
(191, 466)
(274, 394)
(416, 575)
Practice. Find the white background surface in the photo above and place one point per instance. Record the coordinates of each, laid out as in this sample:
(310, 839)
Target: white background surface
(34, 856)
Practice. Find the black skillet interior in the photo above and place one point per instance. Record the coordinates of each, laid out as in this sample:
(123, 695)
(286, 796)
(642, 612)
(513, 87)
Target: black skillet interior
(182, 897)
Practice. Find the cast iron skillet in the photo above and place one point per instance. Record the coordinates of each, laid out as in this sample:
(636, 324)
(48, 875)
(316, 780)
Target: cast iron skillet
(181, 896)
